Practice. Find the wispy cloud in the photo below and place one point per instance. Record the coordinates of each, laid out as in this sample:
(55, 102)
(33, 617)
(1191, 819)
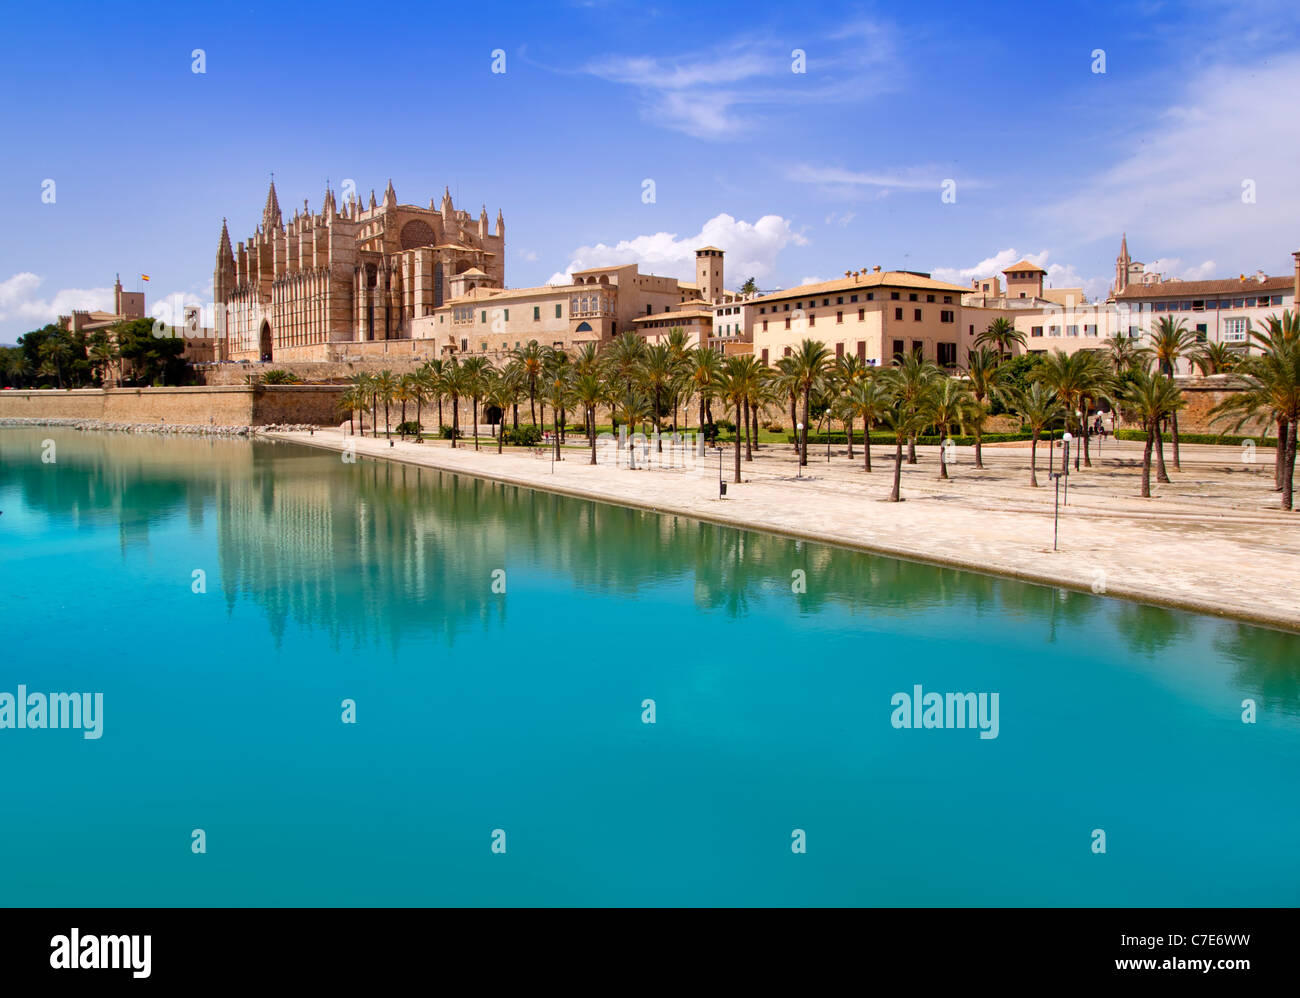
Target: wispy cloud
(722, 92)
(1059, 275)
(1178, 179)
(844, 184)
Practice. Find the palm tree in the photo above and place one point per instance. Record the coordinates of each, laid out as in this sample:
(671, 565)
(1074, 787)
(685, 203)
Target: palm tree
(751, 372)
(361, 391)
(102, 353)
(558, 375)
(733, 385)
(350, 401)
(1151, 398)
(404, 393)
(386, 385)
(17, 366)
(658, 368)
(589, 392)
(1271, 392)
(702, 373)
(914, 378)
(530, 359)
(56, 351)
(474, 375)
(785, 382)
(1077, 379)
(848, 370)
(949, 404)
(903, 418)
(498, 392)
(984, 369)
(453, 381)
(1003, 336)
(630, 407)
(1039, 407)
(1170, 342)
(868, 399)
(1127, 353)
(808, 364)
(1215, 358)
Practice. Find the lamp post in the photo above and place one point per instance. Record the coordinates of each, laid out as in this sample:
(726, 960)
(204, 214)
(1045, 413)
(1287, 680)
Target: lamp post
(798, 436)
(722, 486)
(1083, 430)
(1056, 477)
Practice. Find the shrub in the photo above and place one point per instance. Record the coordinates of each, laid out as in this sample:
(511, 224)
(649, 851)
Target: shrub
(445, 433)
(726, 426)
(773, 427)
(280, 377)
(526, 436)
(1198, 438)
(409, 429)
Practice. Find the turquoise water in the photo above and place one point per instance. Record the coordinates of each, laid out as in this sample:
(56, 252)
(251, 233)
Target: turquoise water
(522, 711)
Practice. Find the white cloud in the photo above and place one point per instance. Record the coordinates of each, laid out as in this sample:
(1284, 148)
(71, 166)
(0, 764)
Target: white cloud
(719, 92)
(812, 280)
(19, 302)
(1173, 267)
(1059, 275)
(751, 248)
(1178, 178)
(842, 220)
(529, 255)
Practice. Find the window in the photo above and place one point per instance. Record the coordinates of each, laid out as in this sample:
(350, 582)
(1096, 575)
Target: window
(1089, 329)
(1071, 330)
(787, 307)
(913, 297)
(1159, 306)
(537, 312)
(916, 315)
(918, 348)
(1202, 334)
(762, 310)
(483, 347)
(649, 309)
(812, 319)
(947, 299)
(946, 315)
(893, 296)
(871, 296)
(787, 352)
(947, 354)
(839, 318)
(862, 314)
(929, 298)
(839, 350)
(972, 329)
(765, 329)
(1053, 330)
(516, 344)
(898, 349)
(765, 349)
(1277, 299)
(464, 345)
(483, 316)
(1035, 330)
(1234, 330)
(862, 350)
(557, 311)
(787, 322)
(898, 313)
(853, 299)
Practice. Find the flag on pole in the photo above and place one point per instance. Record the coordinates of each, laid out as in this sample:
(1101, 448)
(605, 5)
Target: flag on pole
(144, 277)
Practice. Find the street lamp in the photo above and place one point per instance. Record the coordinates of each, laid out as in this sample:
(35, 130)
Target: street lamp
(799, 445)
(1056, 477)
(722, 486)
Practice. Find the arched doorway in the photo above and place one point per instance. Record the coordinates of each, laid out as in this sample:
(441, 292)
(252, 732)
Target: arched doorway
(264, 348)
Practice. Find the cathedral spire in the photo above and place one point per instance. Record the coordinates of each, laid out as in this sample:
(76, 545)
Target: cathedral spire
(271, 213)
(390, 195)
(373, 204)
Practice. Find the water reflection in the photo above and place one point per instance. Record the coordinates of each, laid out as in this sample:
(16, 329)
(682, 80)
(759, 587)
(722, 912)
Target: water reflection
(377, 551)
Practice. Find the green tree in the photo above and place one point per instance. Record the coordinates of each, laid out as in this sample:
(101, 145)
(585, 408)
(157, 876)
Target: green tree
(1150, 399)
(1002, 336)
(1039, 408)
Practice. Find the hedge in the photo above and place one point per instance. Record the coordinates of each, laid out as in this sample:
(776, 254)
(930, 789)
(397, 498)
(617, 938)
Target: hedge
(888, 438)
(1198, 438)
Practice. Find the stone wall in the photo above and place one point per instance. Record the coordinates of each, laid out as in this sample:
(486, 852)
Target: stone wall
(1201, 395)
(220, 406)
(312, 372)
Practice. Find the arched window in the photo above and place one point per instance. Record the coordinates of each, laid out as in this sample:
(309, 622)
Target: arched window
(583, 327)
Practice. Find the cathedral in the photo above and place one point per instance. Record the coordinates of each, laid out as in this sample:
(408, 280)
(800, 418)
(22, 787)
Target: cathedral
(346, 275)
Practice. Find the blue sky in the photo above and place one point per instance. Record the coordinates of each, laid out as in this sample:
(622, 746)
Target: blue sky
(796, 175)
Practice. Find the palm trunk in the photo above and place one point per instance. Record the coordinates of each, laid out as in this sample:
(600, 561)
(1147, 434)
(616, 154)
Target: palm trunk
(866, 446)
(1162, 475)
(455, 419)
(1033, 460)
(794, 419)
(1288, 473)
(943, 454)
(979, 453)
(1279, 457)
(803, 441)
(591, 431)
(476, 422)
(738, 418)
(848, 435)
(1146, 462)
(911, 448)
(749, 438)
(898, 470)
(532, 403)
(1177, 463)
